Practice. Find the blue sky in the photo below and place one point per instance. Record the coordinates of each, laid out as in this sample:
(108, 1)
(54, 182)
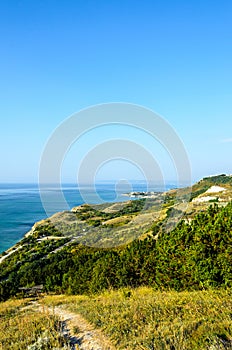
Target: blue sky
(58, 57)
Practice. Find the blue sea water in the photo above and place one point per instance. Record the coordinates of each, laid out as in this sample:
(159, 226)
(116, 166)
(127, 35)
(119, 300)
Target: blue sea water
(21, 206)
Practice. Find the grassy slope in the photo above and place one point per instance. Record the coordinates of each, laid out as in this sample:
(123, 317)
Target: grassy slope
(132, 318)
(22, 328)
(45, 257)
(146, 319)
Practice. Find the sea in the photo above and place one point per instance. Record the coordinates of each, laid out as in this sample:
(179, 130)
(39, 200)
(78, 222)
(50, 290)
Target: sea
(21, 205)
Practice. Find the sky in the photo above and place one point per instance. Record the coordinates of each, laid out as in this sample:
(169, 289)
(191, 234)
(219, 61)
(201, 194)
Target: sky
(171, 57)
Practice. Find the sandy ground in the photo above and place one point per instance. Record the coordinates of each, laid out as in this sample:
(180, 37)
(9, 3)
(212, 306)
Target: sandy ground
(215, 189)
(204, 198)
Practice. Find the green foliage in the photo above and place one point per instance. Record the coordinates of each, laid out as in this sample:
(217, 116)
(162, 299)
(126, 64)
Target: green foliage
(194, 255)
(218, 179)
(96, 217)
(196, 192)
(197, 255)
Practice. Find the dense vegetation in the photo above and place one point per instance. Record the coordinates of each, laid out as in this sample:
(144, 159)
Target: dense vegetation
(194, 255)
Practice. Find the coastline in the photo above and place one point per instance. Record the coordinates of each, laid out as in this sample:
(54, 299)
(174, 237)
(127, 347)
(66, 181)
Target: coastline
(143, 194)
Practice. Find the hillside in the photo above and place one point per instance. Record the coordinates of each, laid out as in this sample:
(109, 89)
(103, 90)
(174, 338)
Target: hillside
(153, 273)
(135, 243)
(126, 319)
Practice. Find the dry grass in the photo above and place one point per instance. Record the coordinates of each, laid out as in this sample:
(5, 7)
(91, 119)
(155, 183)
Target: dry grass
(118, 221)
(147, 319)
(132, 318)
(24, 329)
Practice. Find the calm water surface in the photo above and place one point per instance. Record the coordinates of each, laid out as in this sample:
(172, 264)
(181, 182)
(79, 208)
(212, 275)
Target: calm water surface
(21, 207)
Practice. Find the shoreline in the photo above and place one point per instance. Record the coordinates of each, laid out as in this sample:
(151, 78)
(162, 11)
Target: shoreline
(142, 194)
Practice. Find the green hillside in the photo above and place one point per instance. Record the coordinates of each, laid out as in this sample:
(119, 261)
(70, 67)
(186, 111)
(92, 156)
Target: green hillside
(195, 254)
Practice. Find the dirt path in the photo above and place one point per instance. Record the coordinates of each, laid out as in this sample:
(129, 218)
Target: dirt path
(82, 334)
